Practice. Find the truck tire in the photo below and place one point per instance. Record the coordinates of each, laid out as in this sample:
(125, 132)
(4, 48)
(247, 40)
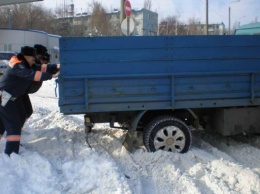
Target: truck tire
(167, 133)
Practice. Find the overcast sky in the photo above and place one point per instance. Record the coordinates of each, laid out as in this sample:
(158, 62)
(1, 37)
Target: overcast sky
(243, 11)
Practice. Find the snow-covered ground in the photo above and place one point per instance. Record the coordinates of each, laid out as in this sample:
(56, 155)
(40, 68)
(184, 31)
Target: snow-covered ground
(54, 158)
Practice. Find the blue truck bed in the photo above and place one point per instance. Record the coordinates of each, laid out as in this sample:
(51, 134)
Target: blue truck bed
(106, 74)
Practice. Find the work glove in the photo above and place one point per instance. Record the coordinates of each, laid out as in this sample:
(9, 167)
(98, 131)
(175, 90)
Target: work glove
(56, 74)
(53, 68)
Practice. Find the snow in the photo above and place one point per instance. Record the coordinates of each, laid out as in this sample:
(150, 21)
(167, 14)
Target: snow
(54, 158)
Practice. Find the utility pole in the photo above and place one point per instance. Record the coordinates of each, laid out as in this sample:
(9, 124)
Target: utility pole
(207, 17)
(229, 15)
(229, 19)
(122, 12)
(10, 19)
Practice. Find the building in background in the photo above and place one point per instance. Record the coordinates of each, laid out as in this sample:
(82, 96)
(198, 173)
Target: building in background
(14, 39)
(173, 27)
(213, 29)
(146, 23)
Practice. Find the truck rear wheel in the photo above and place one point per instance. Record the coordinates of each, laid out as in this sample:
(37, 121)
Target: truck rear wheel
(167, 133)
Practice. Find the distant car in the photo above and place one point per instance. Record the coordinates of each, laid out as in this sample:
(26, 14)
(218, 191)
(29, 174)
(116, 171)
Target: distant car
(5, 56)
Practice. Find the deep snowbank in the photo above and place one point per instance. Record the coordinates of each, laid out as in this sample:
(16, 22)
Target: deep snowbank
(54, 158)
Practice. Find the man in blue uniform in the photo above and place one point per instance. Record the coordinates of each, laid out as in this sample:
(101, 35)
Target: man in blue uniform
(16, 81)
(42, 58)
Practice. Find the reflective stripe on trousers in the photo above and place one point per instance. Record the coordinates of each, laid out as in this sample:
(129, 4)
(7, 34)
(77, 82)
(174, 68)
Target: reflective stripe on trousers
(13, 138)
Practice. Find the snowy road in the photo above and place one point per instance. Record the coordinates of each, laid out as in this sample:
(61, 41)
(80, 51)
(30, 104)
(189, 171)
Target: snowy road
(54, 158)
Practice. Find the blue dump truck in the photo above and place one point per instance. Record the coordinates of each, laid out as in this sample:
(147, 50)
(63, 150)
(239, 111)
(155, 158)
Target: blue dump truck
(165, 86)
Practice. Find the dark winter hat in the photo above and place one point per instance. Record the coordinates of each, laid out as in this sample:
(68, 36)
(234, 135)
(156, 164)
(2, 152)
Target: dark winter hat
(46, 56)
(40, 49)
(28, 51)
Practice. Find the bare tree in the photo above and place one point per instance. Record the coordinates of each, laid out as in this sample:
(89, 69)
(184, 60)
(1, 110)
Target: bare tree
(94, 23)
(64, 10)
(194, 27)
(99, 24)
(5, 14)
(169, 26)
(115, 25)
(173, 26)
(148, 4)
(27, 16)
(64, 22)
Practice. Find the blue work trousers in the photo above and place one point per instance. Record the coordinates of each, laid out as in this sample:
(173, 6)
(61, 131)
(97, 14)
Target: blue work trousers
(12, 118)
